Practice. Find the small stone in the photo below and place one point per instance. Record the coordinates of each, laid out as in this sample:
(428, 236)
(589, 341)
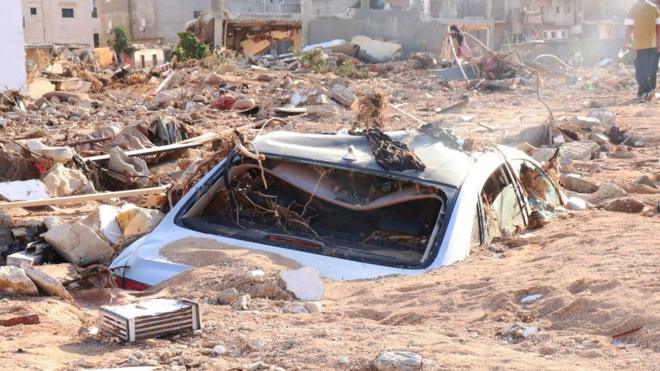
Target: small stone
(256, 275)
(576, 184)
(219, 350)
(242, 303)
(398, 361)
(298, 309)
(575, 203)
(605, 192)
(197, 332)
(530, 299)
(344, 361)
(227, 296)
(625, 205)
(313, 307)
(529, 331)
(165, 356)
(305, 283)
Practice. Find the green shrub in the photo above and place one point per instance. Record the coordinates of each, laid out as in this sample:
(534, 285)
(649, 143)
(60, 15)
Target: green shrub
(190, 47)
(314, 60)
(349, 70)
(121, 42)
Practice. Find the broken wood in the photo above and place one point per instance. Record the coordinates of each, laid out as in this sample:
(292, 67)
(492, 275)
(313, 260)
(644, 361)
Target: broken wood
(84, 198)
(418, 120)
(486, 127)
(453, 106)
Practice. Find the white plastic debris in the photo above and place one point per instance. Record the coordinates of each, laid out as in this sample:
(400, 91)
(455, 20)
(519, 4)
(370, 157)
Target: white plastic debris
(24, 190)
(531, 299)
(305, 283)
(57, 154)
(576, 203)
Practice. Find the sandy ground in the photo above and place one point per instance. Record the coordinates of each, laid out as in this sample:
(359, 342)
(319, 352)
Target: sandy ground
(598, 274)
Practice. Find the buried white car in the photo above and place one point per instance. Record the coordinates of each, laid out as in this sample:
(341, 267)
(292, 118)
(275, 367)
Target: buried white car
(323, 201)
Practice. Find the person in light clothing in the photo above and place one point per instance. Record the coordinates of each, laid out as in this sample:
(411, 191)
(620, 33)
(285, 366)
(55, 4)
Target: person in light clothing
(643, 29)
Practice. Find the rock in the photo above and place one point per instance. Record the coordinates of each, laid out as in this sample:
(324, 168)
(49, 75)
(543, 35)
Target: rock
(518, 331)
(342, 95)
(646, 180)
(256, 344)
(136, 220)
(62, 181)
(78, 244)
(227, 296)
(256, 275)
(606, 118)
(530, 299)
(577, 151)
(24, 190)
(576, 184)
(575, 203)
(103, 222)
(49, 285)
(52, 221)
(38, 87)
(219, 350)
(13, 280)
(584, 122)
(314, 307)
(244, 105)
(242, 303)
(123, 164)
(57, 154)
(605, 192)
(599, 138)
(298, 309)
(305, 283)
(626, 205)
(398, 361)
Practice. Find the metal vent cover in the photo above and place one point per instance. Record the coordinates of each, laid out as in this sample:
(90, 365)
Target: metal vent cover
(149, 319)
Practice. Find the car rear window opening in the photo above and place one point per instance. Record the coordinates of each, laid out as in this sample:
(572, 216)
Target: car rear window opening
(328, 211)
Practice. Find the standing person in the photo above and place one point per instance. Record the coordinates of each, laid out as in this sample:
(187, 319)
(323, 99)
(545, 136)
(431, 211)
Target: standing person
(643, 28)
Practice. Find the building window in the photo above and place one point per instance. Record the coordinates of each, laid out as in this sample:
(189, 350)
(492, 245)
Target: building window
(67, 13)
(558, 10)
(154, 60)
(97, 40)
(142, 61)
(95, 13)
(197, 13)
(33, 11)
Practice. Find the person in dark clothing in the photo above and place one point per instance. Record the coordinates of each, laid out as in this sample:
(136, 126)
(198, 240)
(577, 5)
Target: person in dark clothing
(643, 28)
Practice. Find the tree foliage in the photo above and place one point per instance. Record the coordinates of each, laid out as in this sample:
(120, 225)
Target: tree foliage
(121, 42)
(190, 47)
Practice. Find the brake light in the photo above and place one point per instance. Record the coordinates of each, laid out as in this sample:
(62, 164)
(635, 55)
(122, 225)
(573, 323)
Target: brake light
(129, 284)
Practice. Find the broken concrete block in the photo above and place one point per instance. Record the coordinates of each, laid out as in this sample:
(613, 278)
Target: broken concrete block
(24, 258)
(575, 203)
(38, 87)
(377, 50)
(52, 221)
(49, 285)
(21, 317)
(137, 220)
(57, 154)
(398, 361)
(24, 190)
(584, 122)
(103, 222)
(62, 181)
(13, 280)
(605, 192)
(305, 283)
(78, 244)
(625, 205)
(227, 296)
(123, 164)
(342, 95)
(576, 184)
(599, 138)
(578, 151)
(607, 119)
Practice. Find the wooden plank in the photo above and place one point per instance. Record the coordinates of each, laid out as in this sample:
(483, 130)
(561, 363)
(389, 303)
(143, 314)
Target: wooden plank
(84, 198)
(150, 151)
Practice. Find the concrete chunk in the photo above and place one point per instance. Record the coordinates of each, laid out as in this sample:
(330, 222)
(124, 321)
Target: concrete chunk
(305, 283)
(78, 244)
(13, 280)
(57, 154)
(62, 181)
(123, 164)
(398, 361)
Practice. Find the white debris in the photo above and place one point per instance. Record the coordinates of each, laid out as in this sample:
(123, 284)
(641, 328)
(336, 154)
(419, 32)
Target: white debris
(57, 154)
(103, 222)
(531, 299)
(314, 307)
(62, 181)
(529, 331)
(576, 203)
(78, 244)
(219, 350)
(52, 221)
(305, 283)
(398, 361)
(256, 275)
(135, 220)
(242, 303)
(379, 51)
(24, 190)
(13, 280)
(123, 164)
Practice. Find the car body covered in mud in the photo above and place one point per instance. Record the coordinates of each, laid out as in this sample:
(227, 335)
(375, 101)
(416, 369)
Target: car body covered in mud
(322, 200)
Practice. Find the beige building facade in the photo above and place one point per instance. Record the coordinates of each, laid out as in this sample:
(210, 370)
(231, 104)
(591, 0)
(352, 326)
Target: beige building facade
(61, 22)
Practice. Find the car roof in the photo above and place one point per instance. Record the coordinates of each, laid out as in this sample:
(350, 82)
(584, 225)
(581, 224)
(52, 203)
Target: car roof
(443, 165)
